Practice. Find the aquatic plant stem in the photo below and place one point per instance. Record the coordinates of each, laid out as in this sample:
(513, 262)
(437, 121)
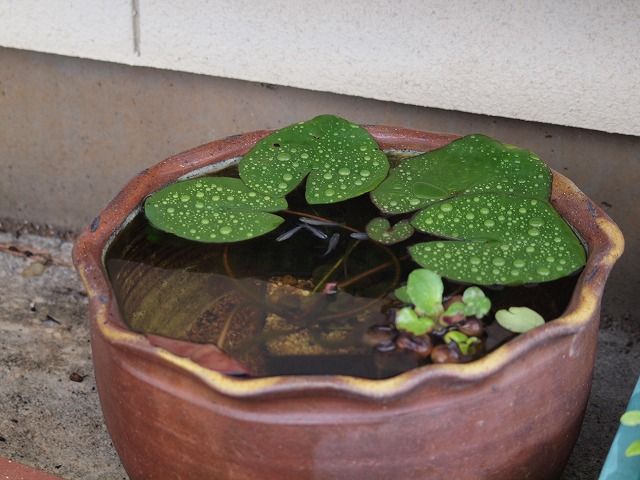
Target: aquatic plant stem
(335, 266)
(356, 278)
(225, 328)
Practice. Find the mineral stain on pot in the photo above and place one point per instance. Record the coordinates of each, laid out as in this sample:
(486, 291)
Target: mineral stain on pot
(313, 297)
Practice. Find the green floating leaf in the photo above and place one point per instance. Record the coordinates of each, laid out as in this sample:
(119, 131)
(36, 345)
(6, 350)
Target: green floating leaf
(425, 288)
(341, 158)
(465, 343)
(633, 450)
(380, 230)
(519, 319)
(213, 210)
(456, 308)
(402, 294)
(476, 304)
(408, 320)
(498, 239)
(472, 164)
(631, 418)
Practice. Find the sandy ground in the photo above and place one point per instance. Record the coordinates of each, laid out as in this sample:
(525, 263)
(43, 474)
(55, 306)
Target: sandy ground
(50, 416)
(48, 420)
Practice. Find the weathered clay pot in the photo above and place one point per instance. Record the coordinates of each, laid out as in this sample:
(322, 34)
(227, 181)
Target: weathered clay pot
(514, 414)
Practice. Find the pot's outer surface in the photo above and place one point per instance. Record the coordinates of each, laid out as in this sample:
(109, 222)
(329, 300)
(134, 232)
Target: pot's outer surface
(514, 414)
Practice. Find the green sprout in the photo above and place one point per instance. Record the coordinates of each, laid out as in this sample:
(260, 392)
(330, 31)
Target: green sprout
(465, 344)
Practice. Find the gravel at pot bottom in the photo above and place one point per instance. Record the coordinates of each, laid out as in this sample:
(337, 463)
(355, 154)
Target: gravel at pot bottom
(50, 415)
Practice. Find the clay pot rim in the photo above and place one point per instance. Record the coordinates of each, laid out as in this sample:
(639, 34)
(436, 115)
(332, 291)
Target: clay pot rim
(603, 237)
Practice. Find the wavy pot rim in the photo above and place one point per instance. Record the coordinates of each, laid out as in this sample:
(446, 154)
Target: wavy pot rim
(604, 240)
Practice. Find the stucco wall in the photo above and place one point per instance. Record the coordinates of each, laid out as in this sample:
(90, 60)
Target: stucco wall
(571, 63)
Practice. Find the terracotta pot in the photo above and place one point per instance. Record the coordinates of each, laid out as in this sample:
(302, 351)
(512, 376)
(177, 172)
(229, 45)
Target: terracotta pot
(513, 414)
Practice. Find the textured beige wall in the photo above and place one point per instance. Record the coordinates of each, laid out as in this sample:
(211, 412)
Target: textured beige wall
(569, 63)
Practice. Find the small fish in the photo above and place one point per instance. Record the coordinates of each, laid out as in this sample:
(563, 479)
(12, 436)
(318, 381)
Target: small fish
(288, 234)
(318, 233)
(359, 236)
(315, 221)
(333, 243)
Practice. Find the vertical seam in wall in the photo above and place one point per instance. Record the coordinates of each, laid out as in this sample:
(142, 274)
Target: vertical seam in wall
(135, 19)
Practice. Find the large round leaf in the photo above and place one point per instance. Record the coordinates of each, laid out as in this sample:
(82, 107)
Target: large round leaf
(341, 158)
(213, 210)
(497, 239)
(472, 164)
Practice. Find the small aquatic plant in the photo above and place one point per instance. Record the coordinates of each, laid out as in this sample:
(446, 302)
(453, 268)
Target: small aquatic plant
(425, 321)
(473, 212)
(519, 319)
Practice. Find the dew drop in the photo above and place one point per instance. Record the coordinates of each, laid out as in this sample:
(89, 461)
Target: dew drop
(470, 216)
(489, 223)
(199, 205)
(498, 261)
(484, 211)
(543, 271)
(284, 156)
(536, 222)
(474, 261)
(204, 221)
(365, 173)
(282, 186)
(304, 155)
(225, 230)
(199, 194)
(446, 207)
(344, 171)
(185, 198)
(534, 232)
(329, 192)
(287, 177)
(518, 263)
(328, 176)
(171, 209)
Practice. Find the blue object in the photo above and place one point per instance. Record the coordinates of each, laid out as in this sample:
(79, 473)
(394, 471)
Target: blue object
(618, 466)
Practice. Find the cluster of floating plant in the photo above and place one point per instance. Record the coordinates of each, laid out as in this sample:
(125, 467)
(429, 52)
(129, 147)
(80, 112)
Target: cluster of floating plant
(486, 201)
(447, 330)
